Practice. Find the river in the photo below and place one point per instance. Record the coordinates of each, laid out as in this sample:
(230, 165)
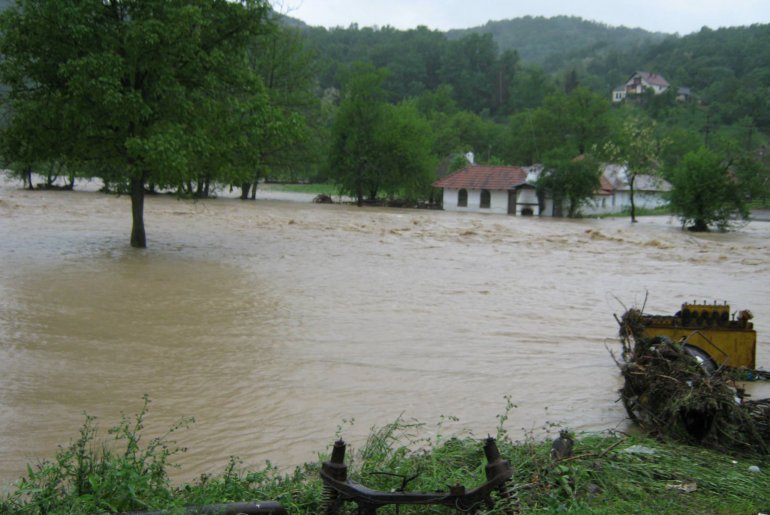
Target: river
(278, 324)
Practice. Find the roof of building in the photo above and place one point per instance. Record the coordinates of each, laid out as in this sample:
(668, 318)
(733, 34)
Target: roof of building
(653, 79)
(617, 178)
(605, 186)
(482, 177)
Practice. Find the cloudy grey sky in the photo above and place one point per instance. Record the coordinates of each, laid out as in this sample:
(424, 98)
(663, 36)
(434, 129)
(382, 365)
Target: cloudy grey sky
(681, 16)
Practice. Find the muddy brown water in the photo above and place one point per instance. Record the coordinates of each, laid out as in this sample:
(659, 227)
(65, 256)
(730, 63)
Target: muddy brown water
(279, 324)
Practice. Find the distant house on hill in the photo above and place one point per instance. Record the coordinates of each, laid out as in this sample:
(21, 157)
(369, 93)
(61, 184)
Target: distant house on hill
(638, 84)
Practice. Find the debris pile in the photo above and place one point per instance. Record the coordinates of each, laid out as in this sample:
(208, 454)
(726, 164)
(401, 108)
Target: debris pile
(670, 392)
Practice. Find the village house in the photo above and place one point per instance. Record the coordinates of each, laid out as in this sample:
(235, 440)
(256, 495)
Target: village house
(638, 84)
(491, 189)
(649, 191)
(512, 190)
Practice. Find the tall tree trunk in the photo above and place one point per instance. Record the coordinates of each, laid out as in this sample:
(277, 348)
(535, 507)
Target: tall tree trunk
(28, 178)
(138, 238)
(254, 186)
(245, 190)
(360, 185)
(633, 205)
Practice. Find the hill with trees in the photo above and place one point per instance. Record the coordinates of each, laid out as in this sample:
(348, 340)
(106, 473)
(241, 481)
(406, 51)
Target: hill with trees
(547, 41)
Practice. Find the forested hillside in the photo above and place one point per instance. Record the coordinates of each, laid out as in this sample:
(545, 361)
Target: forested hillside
(548, 41)
(505, 66)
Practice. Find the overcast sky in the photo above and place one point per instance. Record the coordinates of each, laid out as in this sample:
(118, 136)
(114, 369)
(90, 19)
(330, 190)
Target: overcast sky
(681, 16)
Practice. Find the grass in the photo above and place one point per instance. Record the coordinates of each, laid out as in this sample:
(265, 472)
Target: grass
(608, 473)
(315, 188)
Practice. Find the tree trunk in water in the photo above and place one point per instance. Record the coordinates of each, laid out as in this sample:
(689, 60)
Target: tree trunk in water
(254, 186)
(633, 204)
(360, 185)
(28, 178)
(699, 226)
(138, 238)
(245, 190)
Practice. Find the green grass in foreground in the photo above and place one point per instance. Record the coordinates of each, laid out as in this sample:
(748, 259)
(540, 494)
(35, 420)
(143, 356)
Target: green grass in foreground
(608, 474)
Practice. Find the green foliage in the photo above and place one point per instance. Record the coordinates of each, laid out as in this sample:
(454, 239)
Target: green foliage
(575, 122)
(84, 478)
(553, 42)
(290, 136)
(635, 145)
(137, 87)
(607, 474)
(379, 148)
(706, 192)
(569, 178)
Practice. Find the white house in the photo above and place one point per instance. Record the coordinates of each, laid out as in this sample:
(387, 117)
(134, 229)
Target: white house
(649, 191)
(511, 190)
(638, 84)
(491, 189)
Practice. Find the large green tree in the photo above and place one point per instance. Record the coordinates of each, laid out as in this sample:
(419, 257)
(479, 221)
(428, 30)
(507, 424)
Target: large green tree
(569, 179)
(122, 83)
(577, 121)
(291, 137)
(708, 191)
(378, 148)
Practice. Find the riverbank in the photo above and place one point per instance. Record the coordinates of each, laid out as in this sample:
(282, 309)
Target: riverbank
(605, 473)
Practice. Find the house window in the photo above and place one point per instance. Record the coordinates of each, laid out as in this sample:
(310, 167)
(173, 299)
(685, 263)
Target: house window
(486, 199)
(462, 198)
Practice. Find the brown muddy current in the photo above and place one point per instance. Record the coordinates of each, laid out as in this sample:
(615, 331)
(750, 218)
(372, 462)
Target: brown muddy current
(275, 322)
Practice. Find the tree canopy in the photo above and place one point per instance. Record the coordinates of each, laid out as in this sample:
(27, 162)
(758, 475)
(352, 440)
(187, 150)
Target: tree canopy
(707, 192)
(378, 148)
(136, 87)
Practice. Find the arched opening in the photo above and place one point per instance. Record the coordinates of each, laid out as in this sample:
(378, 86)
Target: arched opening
(486, 199)
(462, 198)
(527, 211)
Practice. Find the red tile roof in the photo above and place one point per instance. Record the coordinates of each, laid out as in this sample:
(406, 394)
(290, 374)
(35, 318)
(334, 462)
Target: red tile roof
(496, 178)
(654, 79)
(478, 177)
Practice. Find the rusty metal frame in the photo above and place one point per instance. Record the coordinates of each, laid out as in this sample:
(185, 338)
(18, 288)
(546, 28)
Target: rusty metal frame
(338, 489)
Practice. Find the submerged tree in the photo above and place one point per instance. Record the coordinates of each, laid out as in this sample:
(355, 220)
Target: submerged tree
(121, 83)
(568, 178)
(707, 191)
(636, 147)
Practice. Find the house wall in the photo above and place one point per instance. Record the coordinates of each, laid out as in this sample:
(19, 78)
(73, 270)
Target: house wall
(643, 199)
(526, 198)
(621, 200)
(498, 202)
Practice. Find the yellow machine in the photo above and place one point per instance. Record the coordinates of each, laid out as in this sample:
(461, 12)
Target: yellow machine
(727, 340)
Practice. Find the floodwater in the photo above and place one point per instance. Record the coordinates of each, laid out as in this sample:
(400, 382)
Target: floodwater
(278, 324)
